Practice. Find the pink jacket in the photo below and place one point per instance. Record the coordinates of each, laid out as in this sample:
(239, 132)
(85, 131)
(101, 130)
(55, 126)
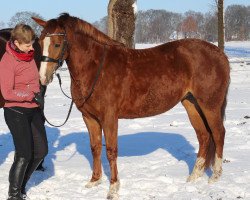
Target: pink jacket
(19, 80)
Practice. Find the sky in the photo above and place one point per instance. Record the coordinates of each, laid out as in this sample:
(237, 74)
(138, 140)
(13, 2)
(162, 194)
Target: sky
(94, 10)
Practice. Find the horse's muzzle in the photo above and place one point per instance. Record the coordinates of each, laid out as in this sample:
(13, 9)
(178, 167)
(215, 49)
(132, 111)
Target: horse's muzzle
(43, 80)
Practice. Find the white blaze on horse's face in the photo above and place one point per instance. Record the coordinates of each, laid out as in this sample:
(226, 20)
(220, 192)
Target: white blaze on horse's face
(43, 68)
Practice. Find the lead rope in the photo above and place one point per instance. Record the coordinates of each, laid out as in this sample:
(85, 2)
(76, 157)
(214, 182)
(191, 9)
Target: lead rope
(70, 108)
(60, 83)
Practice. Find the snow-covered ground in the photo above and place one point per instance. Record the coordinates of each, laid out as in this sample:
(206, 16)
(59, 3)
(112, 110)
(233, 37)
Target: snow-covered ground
(156, 154)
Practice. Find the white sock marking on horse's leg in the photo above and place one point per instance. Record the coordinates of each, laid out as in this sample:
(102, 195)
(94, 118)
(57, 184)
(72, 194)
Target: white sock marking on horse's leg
(113, 191)
(198, 169)
(93, 184)
(217, 169)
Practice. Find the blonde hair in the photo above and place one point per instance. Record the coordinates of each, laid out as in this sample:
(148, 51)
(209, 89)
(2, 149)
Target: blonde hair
(23, 34)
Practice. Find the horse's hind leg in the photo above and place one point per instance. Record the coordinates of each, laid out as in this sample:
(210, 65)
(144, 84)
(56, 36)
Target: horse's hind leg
(204, 137)
(95, 134)
(215, 121)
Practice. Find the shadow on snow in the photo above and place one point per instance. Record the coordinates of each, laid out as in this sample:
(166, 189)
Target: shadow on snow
(138, 144)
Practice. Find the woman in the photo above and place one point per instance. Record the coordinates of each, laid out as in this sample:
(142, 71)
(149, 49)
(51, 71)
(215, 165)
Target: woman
(5, 35)
(19, 82)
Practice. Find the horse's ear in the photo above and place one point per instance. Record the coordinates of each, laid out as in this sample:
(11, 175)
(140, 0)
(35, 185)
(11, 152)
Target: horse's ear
(39, 21)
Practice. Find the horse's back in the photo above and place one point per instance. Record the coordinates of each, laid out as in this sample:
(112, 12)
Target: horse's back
(192, 54)
(207, 66)
(194, 51)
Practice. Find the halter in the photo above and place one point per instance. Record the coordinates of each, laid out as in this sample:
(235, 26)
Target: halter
(60, 60)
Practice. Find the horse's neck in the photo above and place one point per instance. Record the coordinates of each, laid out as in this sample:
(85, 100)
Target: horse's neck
(84, 61)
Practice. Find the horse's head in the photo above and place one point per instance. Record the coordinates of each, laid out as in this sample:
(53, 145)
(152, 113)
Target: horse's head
(53, 41)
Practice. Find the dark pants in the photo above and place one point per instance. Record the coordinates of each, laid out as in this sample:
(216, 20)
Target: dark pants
(30, 146)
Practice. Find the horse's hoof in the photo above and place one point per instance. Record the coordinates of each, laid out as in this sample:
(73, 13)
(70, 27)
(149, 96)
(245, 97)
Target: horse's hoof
(193, 177)
(91, 184)
(217, 170)
(198, 170)
(113, 191)
(113, 196)
(214, 178)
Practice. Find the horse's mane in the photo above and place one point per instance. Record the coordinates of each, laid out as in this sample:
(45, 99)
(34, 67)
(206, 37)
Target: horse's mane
(79, 25)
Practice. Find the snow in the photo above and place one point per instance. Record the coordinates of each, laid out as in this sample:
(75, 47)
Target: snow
(135, 7)
(156, 154)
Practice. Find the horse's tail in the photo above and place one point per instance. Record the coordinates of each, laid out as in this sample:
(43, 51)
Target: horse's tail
(210, 153)
(224, 105)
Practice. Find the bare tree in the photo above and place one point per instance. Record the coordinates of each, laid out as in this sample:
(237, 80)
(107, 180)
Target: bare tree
(102, 24)
(199, 19)
(221, 29)
(159, 26)
(156, 26)
(25, 17)
(2, 25)
(210, 27)
(189, 27)
(237, 22)
(121, 21)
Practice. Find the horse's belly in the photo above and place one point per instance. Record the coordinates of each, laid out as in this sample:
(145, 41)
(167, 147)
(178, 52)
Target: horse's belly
(147, 108)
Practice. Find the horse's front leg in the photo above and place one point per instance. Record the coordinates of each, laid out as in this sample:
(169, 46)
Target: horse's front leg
(95, 135)
(110, 128)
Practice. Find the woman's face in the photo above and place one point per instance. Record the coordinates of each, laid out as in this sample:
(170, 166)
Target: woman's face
(24, 47)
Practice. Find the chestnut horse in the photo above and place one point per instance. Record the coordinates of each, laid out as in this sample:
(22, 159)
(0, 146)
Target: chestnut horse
(110, 82)
(5, 37)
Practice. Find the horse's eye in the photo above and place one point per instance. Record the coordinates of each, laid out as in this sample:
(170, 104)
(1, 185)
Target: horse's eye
(57, 45)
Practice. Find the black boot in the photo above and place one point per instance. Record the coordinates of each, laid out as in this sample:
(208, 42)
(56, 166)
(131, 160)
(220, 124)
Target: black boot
(16, 198)
(40, 167)
(30, 169)
(16, 177)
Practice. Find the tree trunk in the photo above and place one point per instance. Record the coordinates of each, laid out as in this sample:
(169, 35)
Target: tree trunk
(121, 21)
(111, 18)
(221, 30)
